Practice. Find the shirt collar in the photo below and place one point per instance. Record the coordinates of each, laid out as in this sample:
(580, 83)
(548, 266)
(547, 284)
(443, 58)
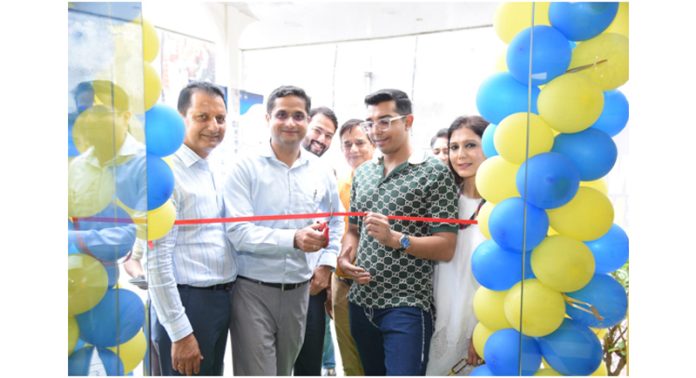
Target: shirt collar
(188, 156)
(417, 157)
(267, 151)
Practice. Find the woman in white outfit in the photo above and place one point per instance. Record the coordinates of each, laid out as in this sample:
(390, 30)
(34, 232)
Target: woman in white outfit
(454, 285)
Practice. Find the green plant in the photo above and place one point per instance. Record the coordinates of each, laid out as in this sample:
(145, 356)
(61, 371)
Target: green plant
(616, 339)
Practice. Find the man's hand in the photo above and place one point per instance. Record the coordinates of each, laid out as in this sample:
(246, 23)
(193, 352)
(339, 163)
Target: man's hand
(321, 279)
(186, 356)
(358, 274)
(472, 357)
(310, 238)
(377, 226)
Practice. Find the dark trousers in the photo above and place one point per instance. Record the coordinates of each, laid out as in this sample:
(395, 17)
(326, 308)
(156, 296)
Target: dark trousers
(309, 360)
(392, 341)
(208, 312)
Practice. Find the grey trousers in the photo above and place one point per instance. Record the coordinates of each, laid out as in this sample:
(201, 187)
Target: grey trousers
(268, 327)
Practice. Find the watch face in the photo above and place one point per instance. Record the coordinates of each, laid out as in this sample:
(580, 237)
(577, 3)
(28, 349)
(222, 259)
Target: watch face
(405, 241)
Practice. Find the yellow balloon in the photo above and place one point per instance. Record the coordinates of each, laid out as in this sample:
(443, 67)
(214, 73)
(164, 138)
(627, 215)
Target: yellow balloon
(588, 216)
(551, 232)
(73, 333)
(132, 351)
(598, 184)
(479, 337)
(159, 222)
(562, 263)
(601, 370)
(607, 57)
(151, 42)
(620, 23)
(153, 86)
(570, 103)
(547, 372)
(600, 332)
(543, 311)
(102, 129)
(501, 63)
(495, 179)
(510, 137)
(488, 307)
(483, 215)
(87, 280)
(89, 190)
(511, 18)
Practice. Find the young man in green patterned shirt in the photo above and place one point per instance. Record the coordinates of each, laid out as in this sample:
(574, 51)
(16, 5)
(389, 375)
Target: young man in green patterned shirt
(391, 304)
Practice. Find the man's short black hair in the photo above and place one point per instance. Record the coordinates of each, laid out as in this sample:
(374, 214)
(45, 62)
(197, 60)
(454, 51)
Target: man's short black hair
(350, 125)
(442, 133)
(403, 104)
(328, 113)
(284, 91)
(185, 95)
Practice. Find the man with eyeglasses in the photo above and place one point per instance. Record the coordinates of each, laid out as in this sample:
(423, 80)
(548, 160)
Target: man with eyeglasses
(270, 298)
(322, 127)
(391, 315)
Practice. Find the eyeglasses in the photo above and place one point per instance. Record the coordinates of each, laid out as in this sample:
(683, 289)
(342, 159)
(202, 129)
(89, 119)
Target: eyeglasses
(382, 124)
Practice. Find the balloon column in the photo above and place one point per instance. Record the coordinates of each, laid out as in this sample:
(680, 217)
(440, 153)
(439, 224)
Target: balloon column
(119, 188)
(553, 115)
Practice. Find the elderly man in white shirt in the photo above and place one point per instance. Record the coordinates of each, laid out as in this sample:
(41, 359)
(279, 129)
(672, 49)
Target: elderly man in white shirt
(270, 298)
(192, 269)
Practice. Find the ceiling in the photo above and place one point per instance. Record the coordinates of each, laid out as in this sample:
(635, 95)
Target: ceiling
(296, 23)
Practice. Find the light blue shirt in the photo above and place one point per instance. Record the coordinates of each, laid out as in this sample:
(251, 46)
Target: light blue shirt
(196, 255)
(264, 185)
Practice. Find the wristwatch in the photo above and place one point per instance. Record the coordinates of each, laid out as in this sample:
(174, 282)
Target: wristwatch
(404, 241)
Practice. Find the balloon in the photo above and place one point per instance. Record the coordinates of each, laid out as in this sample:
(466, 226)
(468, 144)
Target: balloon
(164, 130)
(504, 350)
(481, 370)
(572, 349)
(112, 364)
(159, 222)
(479, 337)
(501, 95)
(153, 86)
(483, 216)
(570, 103)
(132, 351)
(101, 128)
(602, 369)
(116, 319)
(112, 272)
(495, 179)
(78, 362)
(87, 280)
(512, 18)
(116, 11)
(550, 55)
(607, 296)
(506, 224)
(551, 180)
(620, 23)
(117, 234)
(511, 137)
(543, 312)
(160, 182)
(562, 263)
(498, 269)
(615, 114)
(488, 307)
(606, 58)
(487, 141)
(547, 372)
(592, 151)
(73, 333)
(582, 20)
(610, 251)
(588, 216)
(151, 42)
(599, 185)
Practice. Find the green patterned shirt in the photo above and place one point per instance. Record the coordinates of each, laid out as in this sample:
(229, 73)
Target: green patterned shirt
(419, 188)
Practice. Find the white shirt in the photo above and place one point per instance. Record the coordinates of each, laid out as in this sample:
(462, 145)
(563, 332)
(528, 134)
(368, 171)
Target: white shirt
(196, 255)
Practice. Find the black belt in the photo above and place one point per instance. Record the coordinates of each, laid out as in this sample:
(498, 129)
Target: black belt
(346, 281)
(281, 286)
(222, 286)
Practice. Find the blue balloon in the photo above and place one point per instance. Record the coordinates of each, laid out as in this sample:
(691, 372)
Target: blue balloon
(552, 180)
(572, 349)
(112, 272)
(506, 224)
(108, 235)
(502, 353)
(114, 320)
(582, 20)
(607, 296)
(551, 54)
(593, 152)
(79, 361)
(614, 114)
(487, 141)
(116, 11)
(160, 182)
(610, 251)
(112, 362)
(498, 269)
(164, 130)
(481, 371)
(501, 95)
